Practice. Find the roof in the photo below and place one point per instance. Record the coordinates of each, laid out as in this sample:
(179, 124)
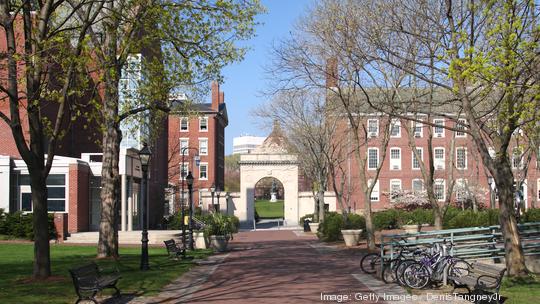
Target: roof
(276, 142)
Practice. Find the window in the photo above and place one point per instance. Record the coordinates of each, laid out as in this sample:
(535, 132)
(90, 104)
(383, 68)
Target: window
(491, 152)
(538, 188)
(184, 146)
(184, 169)
(395, 128)
(417, 128)
(203, 171)
(203, 146)
(56, 189)
(438, 188)
(517, 159)
(415, 161)
(461, 190)
(373, 127)
(184, 124)
(395, 159)
(461, 158)
(438, 155)
(375, 192)
(373, 158)
(203, 124)
(417, 185)
(438, 130)
(395, 189)
(460, 126)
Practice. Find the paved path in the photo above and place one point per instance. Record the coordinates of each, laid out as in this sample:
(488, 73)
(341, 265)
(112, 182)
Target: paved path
(278, 267)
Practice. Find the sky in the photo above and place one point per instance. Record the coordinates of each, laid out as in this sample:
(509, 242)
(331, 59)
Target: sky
(244, 81)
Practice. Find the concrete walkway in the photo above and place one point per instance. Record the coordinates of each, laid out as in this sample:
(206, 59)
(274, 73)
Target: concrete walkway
(279, 267)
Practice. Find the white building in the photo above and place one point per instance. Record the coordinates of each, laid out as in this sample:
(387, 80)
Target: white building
(246, 144)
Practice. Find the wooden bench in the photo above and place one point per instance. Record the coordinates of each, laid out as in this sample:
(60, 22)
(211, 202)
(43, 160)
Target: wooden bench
(89, 280)
(480, 279)
(174, 250)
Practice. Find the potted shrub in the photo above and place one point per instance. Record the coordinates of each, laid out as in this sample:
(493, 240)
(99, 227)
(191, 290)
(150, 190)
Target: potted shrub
(219, 229)
(352, 229)
(411, 226)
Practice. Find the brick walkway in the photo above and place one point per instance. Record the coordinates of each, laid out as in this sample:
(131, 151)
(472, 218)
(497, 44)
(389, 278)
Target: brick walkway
(276, 267)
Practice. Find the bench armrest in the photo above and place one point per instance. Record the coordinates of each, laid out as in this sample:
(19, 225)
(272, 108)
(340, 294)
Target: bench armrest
(491, 285)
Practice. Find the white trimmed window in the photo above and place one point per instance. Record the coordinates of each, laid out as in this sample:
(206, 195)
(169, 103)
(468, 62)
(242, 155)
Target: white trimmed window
(395, 128)
(439, 189)
(417, 185)
(461, 189)
(395, 189)
(184, 168)
(373, 158)
(517, 159)
(395, 159)
(415, 161)
(438, 156)
(460, 126)
(203, 123)
(203, 171)
(374, 197)
(491, 152)
(538, 188)
(184, 146)
(438, 129)
(184, 124)
(203, 146)
(461, 158)
(417, 128)
(373, 127)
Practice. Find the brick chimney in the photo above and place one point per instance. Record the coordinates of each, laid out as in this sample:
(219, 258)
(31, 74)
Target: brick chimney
(215, 95)
(331, 73)
(221, 97)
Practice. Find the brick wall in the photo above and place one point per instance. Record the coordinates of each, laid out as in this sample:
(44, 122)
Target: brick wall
(79, 201)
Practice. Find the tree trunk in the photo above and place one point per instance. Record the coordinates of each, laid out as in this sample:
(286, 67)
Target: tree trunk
(438, 217)
(370, 231)
(42, 262)
(316, 208)
(515, 260)
(320, 199)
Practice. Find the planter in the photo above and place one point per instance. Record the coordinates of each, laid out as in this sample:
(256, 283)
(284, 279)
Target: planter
(411, 228)
(200, 240)
(314, 227)
(219, 242)
(351, 236)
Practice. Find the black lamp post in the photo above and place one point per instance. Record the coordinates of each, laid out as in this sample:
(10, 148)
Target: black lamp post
(212, 191)
(218, 194)
(184, 178)
(227, 197)
(189, 181)
(144, 156)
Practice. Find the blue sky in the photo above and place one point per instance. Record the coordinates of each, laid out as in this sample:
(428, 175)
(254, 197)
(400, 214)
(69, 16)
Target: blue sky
(245, 80)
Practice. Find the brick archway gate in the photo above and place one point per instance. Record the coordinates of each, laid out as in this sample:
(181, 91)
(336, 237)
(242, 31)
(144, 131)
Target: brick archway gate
(269, 160)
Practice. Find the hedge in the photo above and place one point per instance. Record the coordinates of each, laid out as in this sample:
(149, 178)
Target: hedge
(21, 225)
(330, 228)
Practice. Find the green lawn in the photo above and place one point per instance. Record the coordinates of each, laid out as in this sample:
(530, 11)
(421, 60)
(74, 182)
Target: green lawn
(269, 210)
(16, 270)
(521, 292)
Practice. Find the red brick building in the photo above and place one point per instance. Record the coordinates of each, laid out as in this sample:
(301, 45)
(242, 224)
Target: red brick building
(455, 160)
(202, 139)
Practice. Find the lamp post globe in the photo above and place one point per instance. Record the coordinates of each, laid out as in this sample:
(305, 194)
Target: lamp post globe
(212, 191)
(144, 155)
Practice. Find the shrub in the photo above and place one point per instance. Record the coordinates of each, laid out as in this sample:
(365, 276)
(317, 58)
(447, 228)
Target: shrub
(468, 218)
(531, 215)
(330, 228)
(421, 216)
(20, 225)
(387, 219)
(354, 221)
(220, 224)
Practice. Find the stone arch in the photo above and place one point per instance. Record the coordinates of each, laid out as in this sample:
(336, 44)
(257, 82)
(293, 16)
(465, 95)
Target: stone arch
(269, 160)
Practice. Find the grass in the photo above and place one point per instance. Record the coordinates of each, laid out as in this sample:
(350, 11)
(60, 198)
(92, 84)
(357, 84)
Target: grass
(524, 291)
(16, 285)
(269, 210)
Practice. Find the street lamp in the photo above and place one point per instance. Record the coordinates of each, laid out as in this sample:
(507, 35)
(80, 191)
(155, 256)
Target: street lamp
(212, 191)
(189, 181)
(491, 193)
(227, 197)
(184, 177)
(218, 195)
(144, 156)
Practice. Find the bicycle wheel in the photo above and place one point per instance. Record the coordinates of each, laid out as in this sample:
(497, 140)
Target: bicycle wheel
(400, 267)
(416, 276)
(370, 262)
(458, 268)
(389, 271)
